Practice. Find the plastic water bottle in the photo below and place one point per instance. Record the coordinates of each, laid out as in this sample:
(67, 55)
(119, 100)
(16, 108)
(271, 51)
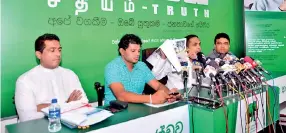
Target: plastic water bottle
(54, 117)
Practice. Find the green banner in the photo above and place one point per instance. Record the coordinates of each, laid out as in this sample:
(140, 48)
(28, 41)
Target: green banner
(266, 39)
(90, 30)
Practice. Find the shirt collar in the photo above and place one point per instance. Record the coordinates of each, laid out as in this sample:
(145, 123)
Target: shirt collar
(47, 69)
(135, 66)
(217, 55)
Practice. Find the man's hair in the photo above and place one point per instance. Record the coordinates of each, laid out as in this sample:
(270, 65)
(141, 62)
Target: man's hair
(221, 35)
(128, 39)
(40, 42)
(188, 37)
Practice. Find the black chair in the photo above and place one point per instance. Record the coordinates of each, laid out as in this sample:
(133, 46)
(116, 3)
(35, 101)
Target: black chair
(100, 93)
(145, 54)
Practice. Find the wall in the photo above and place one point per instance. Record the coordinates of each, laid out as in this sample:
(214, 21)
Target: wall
(89, 38)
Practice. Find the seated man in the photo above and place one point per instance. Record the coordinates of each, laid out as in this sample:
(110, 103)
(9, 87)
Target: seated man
(125, 76)
(221, 46)
(36, 88)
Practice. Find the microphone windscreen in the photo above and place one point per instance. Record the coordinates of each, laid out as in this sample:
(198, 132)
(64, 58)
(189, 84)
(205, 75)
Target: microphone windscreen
(214, 64)
(249, 60)
(201, 58)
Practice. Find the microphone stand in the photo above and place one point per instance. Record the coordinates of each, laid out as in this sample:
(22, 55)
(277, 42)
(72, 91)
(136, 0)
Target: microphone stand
(199, 81)
(185, 78)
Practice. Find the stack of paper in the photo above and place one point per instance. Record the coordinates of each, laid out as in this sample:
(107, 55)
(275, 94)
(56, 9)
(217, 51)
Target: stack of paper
(74, 115)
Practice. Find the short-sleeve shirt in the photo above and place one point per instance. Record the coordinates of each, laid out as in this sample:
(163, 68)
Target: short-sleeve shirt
(133, 81)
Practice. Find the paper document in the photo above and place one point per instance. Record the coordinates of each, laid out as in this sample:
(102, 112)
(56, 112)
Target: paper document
(80, 114)
(160, 105)
(175, 51)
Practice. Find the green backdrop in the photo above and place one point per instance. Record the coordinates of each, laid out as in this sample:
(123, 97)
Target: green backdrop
(89, 38)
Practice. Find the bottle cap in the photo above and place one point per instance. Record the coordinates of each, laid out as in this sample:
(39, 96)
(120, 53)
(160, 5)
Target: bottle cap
(54, 100)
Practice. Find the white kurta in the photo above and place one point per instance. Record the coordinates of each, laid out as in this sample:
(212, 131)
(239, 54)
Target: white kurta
(40, 85)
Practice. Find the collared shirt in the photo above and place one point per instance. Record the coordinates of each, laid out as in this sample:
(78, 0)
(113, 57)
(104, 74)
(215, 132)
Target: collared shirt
(214, 54)
(40, 85)
(133, 81)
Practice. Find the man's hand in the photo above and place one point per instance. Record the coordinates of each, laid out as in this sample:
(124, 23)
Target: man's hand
(75, 95)
(174, 97)
(41, 106)
(160, 97)
(283, 6)
(194, 67)
(192, 54)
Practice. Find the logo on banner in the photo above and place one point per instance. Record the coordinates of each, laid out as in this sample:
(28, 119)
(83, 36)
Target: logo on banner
(177, 128)
(53, 3)
(130, 6)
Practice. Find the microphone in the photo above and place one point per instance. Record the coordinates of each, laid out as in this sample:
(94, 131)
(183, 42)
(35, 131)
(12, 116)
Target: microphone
(199, 70)
(185, 70)
(201, 58)
(234, 69)
(260, 66)
(249, 60)
(228, 70)
(255, 65)
(221, 56)
(239, 67)
(251, 75)
(223, 77)
(211, 70)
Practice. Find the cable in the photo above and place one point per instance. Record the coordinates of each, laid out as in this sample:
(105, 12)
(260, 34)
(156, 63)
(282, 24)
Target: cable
(263, 111)
(224, 109)
(261, 124)
(275, 98)
(247, 111)
(269, 115)
(257, 103)
(246, 106)
(242, 129)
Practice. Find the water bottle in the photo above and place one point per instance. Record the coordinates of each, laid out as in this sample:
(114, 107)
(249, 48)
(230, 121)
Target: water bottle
(54, 117)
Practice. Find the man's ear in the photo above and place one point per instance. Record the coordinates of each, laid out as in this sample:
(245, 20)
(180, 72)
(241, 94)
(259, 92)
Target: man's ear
(39, 55)
(121, 50)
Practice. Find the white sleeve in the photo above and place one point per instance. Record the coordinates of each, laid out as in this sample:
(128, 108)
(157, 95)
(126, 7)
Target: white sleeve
(26, 103)
(76, 85)
(161, 67)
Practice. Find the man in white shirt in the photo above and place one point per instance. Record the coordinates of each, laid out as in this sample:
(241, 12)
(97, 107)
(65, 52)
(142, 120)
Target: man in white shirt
(162, 66)
(36, 88)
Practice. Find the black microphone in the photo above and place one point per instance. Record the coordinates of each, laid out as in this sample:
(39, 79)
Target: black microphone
(223, 77)
(199, 72)
(202, 59)
(237, 76)
(221, 56)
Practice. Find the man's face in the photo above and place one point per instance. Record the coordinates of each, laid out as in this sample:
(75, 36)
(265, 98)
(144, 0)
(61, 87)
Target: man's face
(194, 46)
(51, 55)
(222, 45)
(131, 54)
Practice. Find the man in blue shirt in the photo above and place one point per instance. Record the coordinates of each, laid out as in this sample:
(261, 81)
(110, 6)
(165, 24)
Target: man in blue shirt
(125, 76)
